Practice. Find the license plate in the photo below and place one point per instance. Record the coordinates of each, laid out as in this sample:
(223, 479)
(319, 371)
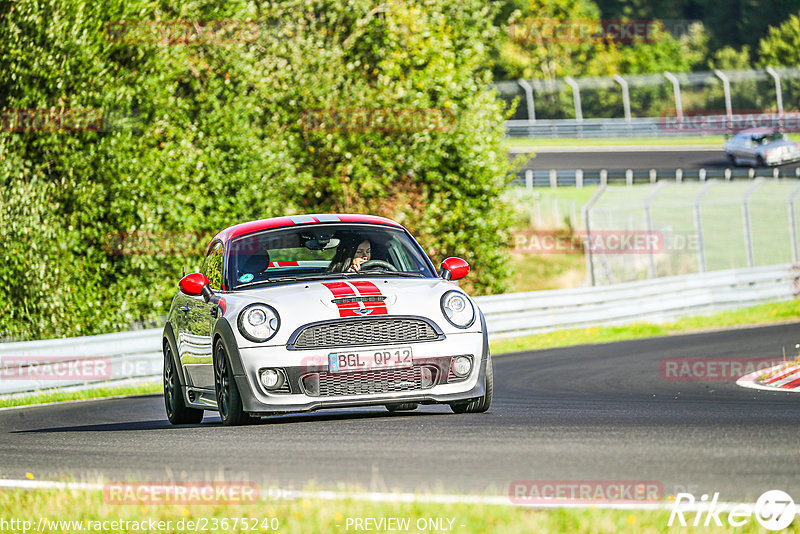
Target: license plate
(369, 360)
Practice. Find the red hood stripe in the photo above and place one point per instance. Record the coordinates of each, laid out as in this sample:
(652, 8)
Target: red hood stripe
(366, 288)
(340, 289)
(362, 289)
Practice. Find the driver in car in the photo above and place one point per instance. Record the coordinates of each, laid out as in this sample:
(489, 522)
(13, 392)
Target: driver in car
(351, 254)
(362, 254)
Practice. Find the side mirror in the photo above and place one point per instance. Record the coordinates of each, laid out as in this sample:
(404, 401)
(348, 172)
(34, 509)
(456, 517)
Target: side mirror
(454, 269)
(195, 284)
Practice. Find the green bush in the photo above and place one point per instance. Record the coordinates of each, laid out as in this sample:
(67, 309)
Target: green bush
(196, 137)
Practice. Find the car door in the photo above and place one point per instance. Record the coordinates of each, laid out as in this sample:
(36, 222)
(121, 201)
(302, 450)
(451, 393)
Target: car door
(196, 357)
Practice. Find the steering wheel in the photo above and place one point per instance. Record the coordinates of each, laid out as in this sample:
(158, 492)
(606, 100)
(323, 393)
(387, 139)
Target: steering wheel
(369, 264)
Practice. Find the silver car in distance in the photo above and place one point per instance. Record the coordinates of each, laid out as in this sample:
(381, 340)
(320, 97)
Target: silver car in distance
(761, 147)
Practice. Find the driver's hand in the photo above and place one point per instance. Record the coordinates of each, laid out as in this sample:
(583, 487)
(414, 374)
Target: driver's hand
(356, 264)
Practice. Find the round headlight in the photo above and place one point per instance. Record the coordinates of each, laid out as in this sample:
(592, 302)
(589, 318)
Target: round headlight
(258, 322)
(256, 317)
(458, 309)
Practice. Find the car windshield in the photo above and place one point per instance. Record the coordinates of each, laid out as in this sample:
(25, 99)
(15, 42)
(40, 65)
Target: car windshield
(764, 139)
(324, 251)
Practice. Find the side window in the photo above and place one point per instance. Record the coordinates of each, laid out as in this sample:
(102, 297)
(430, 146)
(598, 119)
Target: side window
(212, 266)
(400, 257)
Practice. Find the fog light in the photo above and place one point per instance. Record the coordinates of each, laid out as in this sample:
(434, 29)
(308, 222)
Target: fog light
(462, 365)
(271, 378)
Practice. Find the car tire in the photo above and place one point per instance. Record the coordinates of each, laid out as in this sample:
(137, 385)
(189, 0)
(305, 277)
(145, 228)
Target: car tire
(402, 407)
(481, 404)
(177, 411)
(229, 401)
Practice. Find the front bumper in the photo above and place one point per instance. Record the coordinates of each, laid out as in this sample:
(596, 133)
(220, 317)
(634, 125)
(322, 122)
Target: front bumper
(781, 159)
(301, 368)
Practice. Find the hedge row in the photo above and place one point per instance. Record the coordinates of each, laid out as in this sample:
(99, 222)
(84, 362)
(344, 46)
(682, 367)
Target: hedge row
(127, 122)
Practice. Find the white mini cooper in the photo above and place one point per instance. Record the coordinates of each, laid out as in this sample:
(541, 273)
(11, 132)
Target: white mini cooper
(301, 313)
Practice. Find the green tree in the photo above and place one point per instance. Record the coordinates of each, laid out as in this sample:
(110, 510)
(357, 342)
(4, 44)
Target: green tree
(198, 135)
(781, 46)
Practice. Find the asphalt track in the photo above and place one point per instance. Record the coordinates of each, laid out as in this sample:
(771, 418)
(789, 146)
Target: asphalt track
(593, 412)
(640, 158)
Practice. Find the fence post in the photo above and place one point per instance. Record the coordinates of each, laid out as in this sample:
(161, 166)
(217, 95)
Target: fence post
(726, 86)
(529, 179)
(629, 177)
(528, 88)
(748, 237)
(778, 92)
(586, 212)
(653, 176)
(626, 99)
(793, 225)
(553, 178)
(676, 89)
(604, 176)
(579, 178)
(698, 227)
(576, 97)
(648, 221)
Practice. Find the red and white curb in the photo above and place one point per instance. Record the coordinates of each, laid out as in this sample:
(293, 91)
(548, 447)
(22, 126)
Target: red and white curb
(783, 377)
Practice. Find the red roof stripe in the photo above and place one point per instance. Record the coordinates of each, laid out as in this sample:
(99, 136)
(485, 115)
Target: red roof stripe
(278, 222)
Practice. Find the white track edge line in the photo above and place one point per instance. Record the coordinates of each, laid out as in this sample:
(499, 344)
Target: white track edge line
(494, 500)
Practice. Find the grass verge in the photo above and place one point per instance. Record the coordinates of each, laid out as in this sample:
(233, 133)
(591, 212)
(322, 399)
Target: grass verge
(755, 315)
(89, 512)
(46, 396)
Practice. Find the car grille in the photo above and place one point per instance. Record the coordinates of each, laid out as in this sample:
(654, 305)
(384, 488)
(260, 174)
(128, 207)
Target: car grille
(364, 332)
(326, 384)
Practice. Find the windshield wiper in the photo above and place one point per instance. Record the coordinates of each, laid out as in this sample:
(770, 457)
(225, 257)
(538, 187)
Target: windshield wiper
(384, 272)
(269, 281)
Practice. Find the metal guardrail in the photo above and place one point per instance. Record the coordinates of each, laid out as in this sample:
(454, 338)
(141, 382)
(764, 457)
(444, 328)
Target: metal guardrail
(687, 126)
(76, 361)
(137, 354)
(530, 178)
(659, 299)
(761, 82)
